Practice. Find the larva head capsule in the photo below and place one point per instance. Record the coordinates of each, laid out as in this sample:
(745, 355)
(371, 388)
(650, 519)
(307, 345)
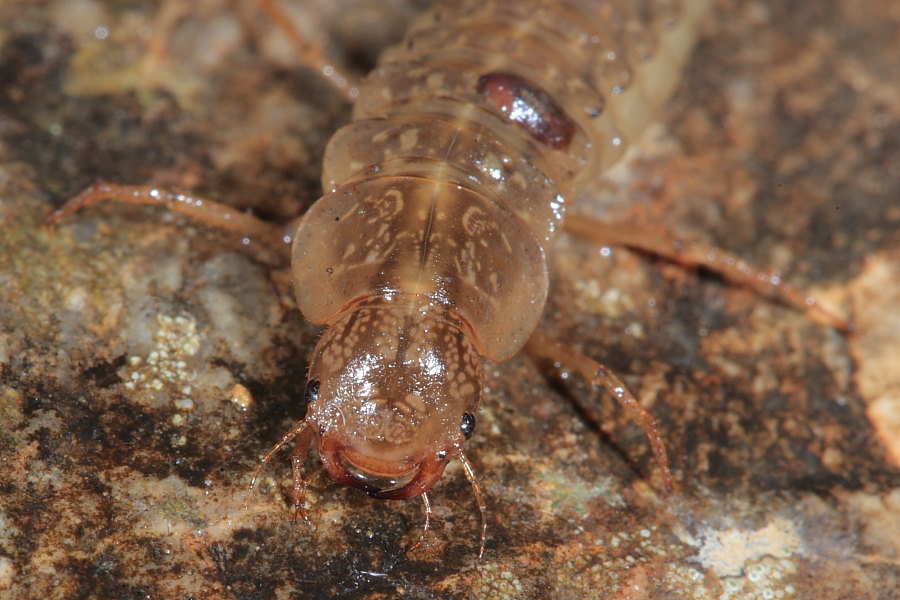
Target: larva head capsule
(395, 392)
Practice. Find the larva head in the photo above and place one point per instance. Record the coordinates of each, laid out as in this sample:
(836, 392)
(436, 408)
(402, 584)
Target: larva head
(393, 395)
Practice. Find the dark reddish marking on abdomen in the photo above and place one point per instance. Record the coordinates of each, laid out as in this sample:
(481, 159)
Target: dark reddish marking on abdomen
(532, 108)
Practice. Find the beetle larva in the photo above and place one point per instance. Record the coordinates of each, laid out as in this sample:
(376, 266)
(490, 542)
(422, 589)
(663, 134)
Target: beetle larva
(445, 192)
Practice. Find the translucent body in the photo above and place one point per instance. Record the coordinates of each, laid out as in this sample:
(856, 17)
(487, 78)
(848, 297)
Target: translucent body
(388, 407)
(442, 197)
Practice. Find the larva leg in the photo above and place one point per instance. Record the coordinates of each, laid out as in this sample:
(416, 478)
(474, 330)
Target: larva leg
(298, 455)
(479, 499)
(595, 373)
(729, 266)
(155, 63)
(304, 436)
(311, 54)
(427, 522)
(271, 246)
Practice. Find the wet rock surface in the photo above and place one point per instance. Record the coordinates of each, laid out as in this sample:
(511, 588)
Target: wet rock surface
(123, 331)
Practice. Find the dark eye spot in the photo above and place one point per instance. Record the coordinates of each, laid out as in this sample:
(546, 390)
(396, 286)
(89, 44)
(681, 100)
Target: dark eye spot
(468, 425)
(312, 391)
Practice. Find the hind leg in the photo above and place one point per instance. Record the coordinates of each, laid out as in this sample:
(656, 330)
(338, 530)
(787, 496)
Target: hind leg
(311, 54)
(729, 266)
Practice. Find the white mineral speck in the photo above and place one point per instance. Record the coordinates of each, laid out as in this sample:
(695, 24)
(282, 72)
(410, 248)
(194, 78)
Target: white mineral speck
(76, 299)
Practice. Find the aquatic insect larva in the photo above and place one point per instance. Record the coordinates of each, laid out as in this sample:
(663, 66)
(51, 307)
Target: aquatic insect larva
(443, 196)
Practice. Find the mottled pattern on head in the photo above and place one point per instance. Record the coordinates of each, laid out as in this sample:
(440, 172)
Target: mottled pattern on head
(395, 382)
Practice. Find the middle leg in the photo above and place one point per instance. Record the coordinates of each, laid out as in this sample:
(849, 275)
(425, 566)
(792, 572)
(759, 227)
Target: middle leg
(267, 242)
(540, 345)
